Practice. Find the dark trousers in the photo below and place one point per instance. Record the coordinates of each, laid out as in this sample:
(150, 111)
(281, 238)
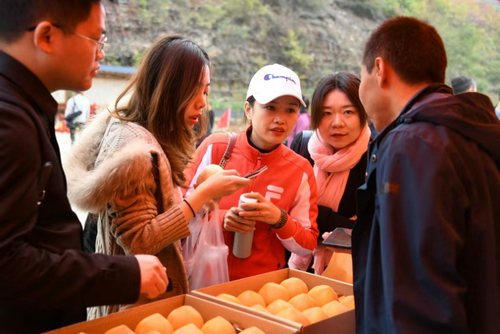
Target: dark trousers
(90, 233)
(72, 130)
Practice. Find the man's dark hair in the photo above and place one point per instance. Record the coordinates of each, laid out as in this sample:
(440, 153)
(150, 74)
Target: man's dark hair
(413, 49)
(16, 16)
(462, 84)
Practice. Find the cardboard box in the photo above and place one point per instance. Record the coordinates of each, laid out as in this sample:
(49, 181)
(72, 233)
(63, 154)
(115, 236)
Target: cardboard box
(207, 309)
(343, 323)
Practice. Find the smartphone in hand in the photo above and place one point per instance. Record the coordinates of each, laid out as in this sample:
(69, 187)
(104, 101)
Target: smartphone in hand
(255, 173)
(340, 237)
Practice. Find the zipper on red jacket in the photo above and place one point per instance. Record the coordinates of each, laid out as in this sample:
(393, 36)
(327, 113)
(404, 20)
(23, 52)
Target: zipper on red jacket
(259, 161)
(258, 165)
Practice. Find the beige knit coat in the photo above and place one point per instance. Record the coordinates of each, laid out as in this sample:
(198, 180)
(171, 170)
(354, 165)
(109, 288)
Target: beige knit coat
(118, 170)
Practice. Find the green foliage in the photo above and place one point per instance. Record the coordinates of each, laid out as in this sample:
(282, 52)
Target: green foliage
(293, 50)
(247, 26)
(207, 17)
(137, 56)
(236, 23)
(153, 10)
(258, 32)
(317, 4)
(112, 58)
(470, 31)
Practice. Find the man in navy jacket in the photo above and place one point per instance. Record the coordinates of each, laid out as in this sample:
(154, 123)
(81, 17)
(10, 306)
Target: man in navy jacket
(46, 280)
(426, 246)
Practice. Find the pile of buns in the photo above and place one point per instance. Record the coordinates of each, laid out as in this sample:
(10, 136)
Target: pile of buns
(184, 319)
(292, 300)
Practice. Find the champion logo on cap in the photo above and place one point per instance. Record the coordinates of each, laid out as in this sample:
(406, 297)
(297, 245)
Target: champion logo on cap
(264, 88)
(272, 76)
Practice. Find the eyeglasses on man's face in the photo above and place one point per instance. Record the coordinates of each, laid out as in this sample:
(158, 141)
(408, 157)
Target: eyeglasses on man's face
(101, 41)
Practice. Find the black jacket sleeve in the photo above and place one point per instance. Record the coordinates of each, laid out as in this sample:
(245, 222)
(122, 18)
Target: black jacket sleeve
(41, 260)
(328, 220)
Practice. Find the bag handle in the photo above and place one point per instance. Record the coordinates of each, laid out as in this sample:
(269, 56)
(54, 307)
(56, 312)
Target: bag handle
(229, 149)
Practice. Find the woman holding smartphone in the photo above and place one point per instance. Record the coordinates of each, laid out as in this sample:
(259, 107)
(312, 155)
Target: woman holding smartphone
(284, 215)
(128, 165)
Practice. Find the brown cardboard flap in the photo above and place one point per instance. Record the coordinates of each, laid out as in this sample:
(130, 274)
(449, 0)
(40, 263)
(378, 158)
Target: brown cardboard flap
(207, 309)
(341, 324)
(340, 265)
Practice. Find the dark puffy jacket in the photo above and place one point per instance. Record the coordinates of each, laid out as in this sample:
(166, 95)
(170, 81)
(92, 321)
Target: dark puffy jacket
(426, 247)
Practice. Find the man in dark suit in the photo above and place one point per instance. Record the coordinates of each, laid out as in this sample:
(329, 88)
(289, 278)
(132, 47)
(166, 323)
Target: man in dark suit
(47, 281)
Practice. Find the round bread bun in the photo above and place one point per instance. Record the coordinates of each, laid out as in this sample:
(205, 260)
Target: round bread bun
(207, 172)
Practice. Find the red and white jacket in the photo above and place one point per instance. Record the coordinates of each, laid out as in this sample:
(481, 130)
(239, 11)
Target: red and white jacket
(288, 183)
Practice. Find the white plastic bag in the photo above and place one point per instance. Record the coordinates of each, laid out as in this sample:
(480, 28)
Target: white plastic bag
(191, 242)
(210, 260)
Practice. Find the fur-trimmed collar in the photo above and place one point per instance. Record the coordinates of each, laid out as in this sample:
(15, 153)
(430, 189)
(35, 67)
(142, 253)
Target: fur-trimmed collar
(126, 170)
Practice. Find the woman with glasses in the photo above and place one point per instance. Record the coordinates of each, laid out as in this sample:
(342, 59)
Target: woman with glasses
(128, 165)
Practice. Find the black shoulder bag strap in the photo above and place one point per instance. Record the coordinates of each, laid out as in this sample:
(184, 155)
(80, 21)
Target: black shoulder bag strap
(306, 136)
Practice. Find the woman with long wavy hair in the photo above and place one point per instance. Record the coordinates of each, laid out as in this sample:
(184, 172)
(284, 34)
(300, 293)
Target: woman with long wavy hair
(128, 165)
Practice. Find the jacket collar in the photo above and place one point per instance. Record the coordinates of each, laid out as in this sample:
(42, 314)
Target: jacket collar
(28, 84)
(254, 154)
(416, 99)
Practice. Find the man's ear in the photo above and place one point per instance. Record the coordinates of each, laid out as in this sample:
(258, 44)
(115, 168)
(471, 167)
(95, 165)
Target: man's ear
(248, 110)
(382, 70)
(45, 35)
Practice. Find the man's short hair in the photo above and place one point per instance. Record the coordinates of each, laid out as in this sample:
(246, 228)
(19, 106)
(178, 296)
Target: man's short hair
(462, 84)
(16, 16)
(413, 49)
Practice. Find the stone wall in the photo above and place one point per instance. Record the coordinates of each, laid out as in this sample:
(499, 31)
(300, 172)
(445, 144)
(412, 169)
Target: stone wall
(333, 33)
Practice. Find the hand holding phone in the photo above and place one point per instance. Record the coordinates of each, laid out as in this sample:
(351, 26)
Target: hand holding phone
(340, 237)
(255, 173)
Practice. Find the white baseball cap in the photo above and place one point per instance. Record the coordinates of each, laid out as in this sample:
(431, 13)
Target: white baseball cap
(273, 81)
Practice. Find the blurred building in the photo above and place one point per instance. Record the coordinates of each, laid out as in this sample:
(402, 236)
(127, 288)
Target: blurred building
(106, 86)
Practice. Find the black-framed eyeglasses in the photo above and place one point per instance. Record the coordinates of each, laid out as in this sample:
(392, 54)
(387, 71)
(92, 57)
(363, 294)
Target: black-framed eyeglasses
(101, 41)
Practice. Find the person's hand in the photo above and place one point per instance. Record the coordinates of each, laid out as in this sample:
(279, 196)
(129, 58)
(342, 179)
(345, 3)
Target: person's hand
(234, 223)
(212, 203)
(263, 210)
(224, 183)
(154, 280)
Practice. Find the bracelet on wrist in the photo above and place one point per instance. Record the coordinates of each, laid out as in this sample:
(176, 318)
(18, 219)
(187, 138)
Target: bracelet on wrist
(282, 221)
(189, 205)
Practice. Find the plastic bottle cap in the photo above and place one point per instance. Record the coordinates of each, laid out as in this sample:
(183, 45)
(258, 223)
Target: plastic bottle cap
(247, 200)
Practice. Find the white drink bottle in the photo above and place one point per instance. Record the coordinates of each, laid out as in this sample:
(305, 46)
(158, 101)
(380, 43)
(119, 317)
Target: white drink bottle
(242, 245)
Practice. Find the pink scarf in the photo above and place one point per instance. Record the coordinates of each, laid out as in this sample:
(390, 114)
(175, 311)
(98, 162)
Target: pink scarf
(331, 186)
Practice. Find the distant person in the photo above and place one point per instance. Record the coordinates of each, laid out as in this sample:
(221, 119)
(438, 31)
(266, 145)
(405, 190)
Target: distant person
(337, 149)
(497, 108)
(77, 113)
(47, 281)
(426, 246)
(286, 208)
(303, 122)
(463, 84)
(127, 166)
